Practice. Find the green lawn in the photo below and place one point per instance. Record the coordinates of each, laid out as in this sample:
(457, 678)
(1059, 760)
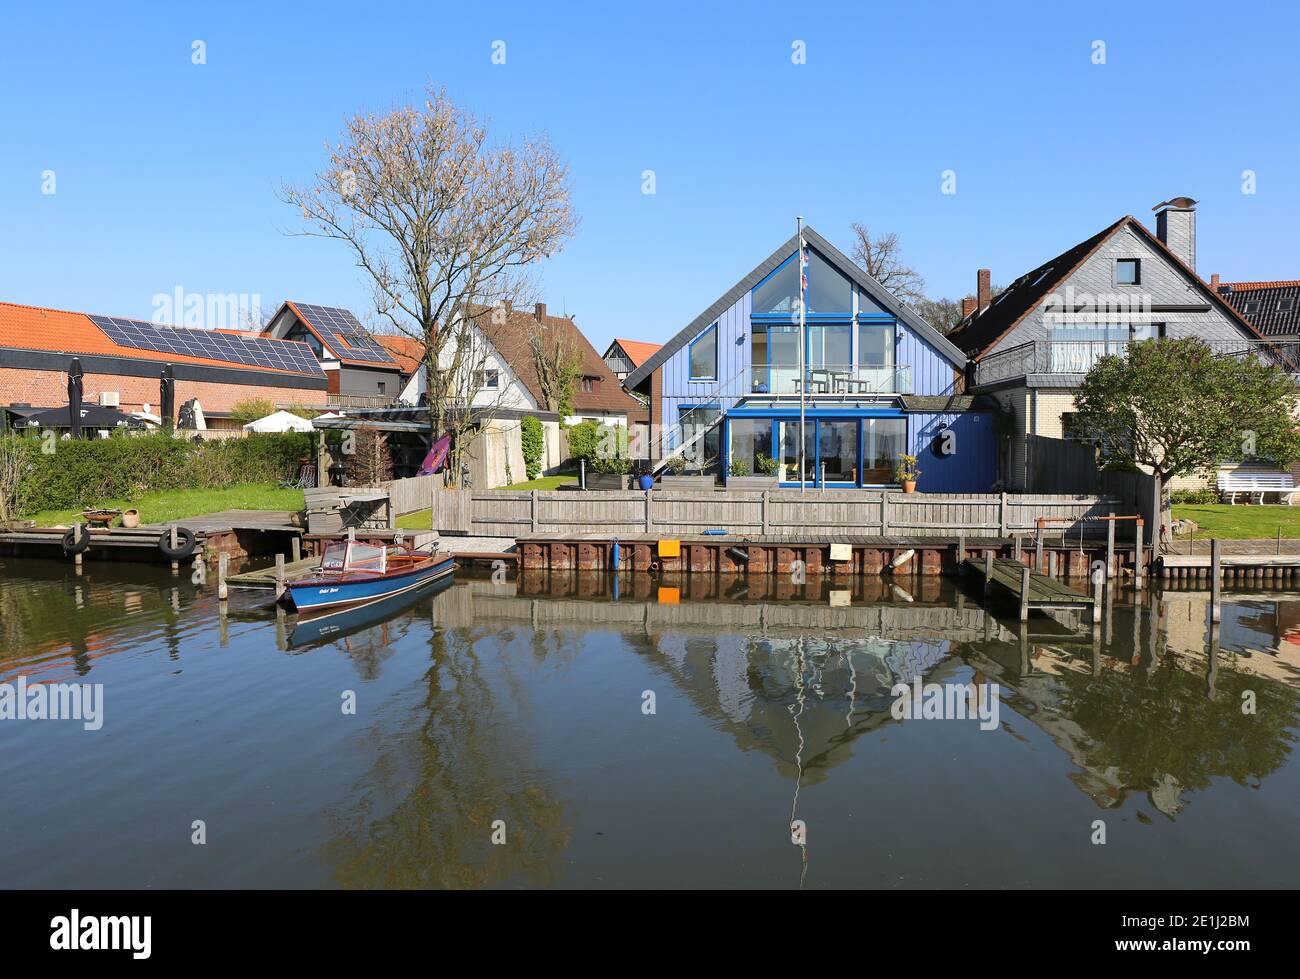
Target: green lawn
(544, 483)
(1228, 522)
(168, 505)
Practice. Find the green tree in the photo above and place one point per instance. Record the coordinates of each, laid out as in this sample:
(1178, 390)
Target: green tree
(1177, 408)
(530, 437)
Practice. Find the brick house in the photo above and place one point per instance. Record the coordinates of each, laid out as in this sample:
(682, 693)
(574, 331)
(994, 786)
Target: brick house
(122, 359)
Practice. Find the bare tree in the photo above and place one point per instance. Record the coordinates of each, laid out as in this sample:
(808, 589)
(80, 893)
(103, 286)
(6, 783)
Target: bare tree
(443, 223)
(881, 258)
(942, 314)
(13, 466)
(558, 367)
(370, 462)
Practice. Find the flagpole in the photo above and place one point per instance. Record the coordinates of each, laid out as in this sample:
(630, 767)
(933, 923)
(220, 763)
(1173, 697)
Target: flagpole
(803, 378)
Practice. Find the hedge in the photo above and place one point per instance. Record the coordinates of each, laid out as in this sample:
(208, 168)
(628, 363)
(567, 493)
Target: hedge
(82, 472)
(530, 437)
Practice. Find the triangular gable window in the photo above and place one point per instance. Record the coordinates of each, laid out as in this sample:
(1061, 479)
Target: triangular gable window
(828, 290)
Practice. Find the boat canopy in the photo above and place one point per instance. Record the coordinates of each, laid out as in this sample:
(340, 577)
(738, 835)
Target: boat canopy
(354, 556)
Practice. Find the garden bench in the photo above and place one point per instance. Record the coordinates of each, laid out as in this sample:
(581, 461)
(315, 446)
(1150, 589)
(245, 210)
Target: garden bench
(1257, 484)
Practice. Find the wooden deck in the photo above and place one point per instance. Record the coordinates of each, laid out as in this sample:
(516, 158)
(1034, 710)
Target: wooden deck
(1032, 589)
(265, 578)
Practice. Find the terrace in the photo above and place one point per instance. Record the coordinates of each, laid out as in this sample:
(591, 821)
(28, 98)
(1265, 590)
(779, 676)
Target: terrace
(1066, 361)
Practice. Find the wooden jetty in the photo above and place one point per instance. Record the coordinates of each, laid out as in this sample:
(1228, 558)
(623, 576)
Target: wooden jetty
(236, 533)
(1032, 589)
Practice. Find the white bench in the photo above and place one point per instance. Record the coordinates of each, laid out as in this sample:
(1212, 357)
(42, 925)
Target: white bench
(1256, 484)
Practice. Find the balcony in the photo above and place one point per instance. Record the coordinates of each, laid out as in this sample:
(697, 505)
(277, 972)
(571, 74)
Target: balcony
(829, 381)
(1074, 358)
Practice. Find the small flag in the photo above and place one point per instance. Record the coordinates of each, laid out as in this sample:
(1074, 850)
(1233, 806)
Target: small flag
(803, 266)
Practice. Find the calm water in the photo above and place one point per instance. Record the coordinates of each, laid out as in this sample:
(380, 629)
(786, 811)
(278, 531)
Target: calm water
(522, 702)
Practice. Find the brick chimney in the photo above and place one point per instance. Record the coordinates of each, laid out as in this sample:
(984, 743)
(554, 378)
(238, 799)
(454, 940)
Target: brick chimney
(983, 289)
(1176, 228)
(1214, 283)
(540, 312)
(967, 306)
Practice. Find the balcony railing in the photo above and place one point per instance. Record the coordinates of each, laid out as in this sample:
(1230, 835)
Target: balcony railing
(829, 380)
(1077, 357)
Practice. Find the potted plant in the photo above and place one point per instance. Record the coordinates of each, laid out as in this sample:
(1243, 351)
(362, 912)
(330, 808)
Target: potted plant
(608, 474)
(739, 476)
(905, 473)
(684, 474)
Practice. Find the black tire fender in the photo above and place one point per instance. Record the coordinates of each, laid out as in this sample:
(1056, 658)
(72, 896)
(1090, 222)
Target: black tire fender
(75, 543)
(186, 542)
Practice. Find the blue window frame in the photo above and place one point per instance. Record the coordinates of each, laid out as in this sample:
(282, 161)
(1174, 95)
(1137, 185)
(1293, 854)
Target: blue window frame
(702, 356)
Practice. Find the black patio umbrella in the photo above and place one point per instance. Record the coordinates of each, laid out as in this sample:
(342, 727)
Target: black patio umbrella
(167, 398)
(87, 416)
(75, 386)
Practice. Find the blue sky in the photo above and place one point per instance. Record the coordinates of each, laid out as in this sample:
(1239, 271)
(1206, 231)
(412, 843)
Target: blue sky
(166, 171)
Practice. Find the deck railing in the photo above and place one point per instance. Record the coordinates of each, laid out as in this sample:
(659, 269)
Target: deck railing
(1077, 357)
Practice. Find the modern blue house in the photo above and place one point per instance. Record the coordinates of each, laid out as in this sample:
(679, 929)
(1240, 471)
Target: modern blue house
(876, 381)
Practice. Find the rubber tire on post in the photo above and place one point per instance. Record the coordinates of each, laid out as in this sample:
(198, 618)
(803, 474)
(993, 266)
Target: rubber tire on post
(72, 546)
(185, 544)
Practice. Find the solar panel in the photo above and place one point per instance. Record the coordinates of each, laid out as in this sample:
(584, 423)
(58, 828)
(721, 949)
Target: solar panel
(187, 341)
(337, 325)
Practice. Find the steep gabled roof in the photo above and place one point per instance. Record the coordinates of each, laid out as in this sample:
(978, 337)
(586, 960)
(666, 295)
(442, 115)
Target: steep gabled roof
(638, 351)
(837, 259)
(1271, 317)
(512, 335)
(980, 333)
(983, 329)
(340, 332)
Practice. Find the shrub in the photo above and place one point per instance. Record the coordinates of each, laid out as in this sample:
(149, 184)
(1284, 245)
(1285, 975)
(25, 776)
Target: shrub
(739, 467)
(530, 437)
(84, 472)
(251, 410)
(1193, 496)
(766, 465)
(617, 465)
(584, 438)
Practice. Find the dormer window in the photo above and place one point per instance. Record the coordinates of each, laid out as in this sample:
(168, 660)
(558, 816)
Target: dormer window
(1285, 305)
(1128, 271)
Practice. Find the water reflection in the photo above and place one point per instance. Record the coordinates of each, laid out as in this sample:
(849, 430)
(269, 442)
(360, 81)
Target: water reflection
(517, 705)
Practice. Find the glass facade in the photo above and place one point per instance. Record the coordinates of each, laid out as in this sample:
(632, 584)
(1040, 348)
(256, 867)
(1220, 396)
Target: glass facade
(839, 451)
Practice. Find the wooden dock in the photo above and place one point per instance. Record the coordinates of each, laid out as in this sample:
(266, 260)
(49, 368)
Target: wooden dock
(1031, 588)
(266, 579)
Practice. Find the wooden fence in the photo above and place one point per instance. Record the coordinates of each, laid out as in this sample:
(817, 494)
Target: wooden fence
(865, 513)
(414, 493)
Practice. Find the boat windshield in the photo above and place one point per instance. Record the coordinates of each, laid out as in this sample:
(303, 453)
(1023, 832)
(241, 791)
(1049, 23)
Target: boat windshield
(353, 556)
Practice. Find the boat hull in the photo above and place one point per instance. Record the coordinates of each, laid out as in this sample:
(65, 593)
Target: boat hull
(324, 595)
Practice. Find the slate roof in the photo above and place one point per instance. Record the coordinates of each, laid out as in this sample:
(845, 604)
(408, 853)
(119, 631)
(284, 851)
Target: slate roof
(979, 333)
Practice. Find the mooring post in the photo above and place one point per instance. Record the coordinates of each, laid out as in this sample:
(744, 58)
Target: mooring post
(1098, 583)
(1017, 548)
(296, 546)
(1024, 594)
(223, 565)
(1038, 548)
(988, 572)
(961, 553)
(176, 565)
(1110, 548)
(279, 575)
(1137, 557)
(1216, 551)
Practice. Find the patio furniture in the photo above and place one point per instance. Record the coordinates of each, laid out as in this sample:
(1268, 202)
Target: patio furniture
(1257, 484)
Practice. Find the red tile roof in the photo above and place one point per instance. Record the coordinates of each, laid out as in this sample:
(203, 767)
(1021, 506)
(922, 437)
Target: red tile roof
(407, 352)
(60, 331)
(512, 339)
(638, 351)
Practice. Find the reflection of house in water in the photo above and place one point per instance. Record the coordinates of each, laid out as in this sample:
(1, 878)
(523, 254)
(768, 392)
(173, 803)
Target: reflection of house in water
(1149, 711)
(801, 700)
(1136, 707)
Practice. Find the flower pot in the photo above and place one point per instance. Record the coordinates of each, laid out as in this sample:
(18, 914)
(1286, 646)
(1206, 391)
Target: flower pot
(646, 482)
(909, 486)
(131, 518)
